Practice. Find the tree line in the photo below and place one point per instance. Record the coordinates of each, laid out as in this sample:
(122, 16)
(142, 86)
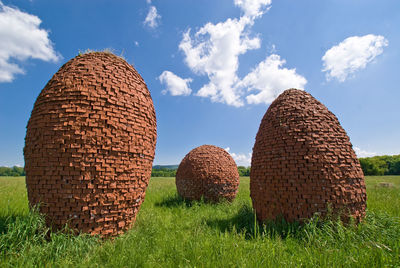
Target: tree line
(376, 165)
(163, 172)
(381, 165)
(12, 171)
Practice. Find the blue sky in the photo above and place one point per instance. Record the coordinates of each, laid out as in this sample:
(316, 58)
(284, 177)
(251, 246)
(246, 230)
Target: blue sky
(213, 67)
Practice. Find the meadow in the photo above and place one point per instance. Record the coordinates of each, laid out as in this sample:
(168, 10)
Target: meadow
(170, 232)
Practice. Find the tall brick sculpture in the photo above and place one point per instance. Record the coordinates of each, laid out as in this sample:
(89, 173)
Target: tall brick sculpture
(209, 172)
(303, 162)
(90, 145)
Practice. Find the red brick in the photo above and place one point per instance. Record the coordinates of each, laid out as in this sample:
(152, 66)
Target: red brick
(209, 172)
(330, 176)
(77, 137)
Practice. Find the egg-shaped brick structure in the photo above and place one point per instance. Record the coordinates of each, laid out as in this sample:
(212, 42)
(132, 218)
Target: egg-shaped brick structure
(207, 172)
(90, 145)
(303, 163)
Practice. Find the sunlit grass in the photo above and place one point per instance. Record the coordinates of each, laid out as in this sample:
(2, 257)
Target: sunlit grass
(384, 194)
(170, 232)
(13, 198)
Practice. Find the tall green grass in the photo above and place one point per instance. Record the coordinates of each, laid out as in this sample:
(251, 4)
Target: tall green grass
(171, 232)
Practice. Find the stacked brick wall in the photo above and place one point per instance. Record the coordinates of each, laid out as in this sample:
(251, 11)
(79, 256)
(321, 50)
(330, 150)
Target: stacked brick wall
(303, 163)
(209, 172)
(90, 145)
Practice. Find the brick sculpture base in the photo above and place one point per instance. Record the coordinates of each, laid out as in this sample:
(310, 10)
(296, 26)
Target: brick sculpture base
(209, 172)
(303, 162)
(90, 144)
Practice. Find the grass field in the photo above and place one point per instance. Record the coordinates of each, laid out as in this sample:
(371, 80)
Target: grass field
(172, 233)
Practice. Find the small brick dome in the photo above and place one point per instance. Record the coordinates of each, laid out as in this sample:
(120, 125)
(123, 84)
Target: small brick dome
(90, 144)
(209, 172)
(302, 161)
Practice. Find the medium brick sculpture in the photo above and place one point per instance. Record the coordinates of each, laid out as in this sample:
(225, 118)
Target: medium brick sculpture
(209, 172)
(303, 163)
(90, 145)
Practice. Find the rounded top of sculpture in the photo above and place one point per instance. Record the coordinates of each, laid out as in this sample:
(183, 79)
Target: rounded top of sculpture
(105, 66)
(205, 153)
(297, 98)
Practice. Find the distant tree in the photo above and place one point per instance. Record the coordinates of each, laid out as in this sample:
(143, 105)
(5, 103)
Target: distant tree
(163, 172)
(244, 171)
(4, 171)
(395, 167)
(393, 164)
(373, 166)
(381, 165)
(18, 171)
(14, 171)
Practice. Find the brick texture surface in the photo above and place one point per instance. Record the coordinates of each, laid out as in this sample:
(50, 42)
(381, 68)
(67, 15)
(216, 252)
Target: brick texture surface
(209, 172)
(90, 144)
(302, 161)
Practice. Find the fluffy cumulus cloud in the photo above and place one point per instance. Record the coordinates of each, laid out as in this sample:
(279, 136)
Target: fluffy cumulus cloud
(270, 79)
(352, 54)
(253, 8)
(240, 159)
(362, 153)
(21, 38)
(152, 19)
(214, 51)
(174, 84)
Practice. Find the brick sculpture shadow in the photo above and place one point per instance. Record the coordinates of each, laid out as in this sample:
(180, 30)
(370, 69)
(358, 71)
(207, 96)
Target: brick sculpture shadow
(303, 163)
(90, 145)
(207, 172)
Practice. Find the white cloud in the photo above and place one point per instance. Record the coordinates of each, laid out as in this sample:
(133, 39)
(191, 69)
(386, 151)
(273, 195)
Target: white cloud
(352, 54)
(152, 19)
(214, 51)
(362, 153)
(253, 8)
(136, 43)
(240, 159)
(175, 85)
(148, 1)
(21, 39)
(270, 79)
